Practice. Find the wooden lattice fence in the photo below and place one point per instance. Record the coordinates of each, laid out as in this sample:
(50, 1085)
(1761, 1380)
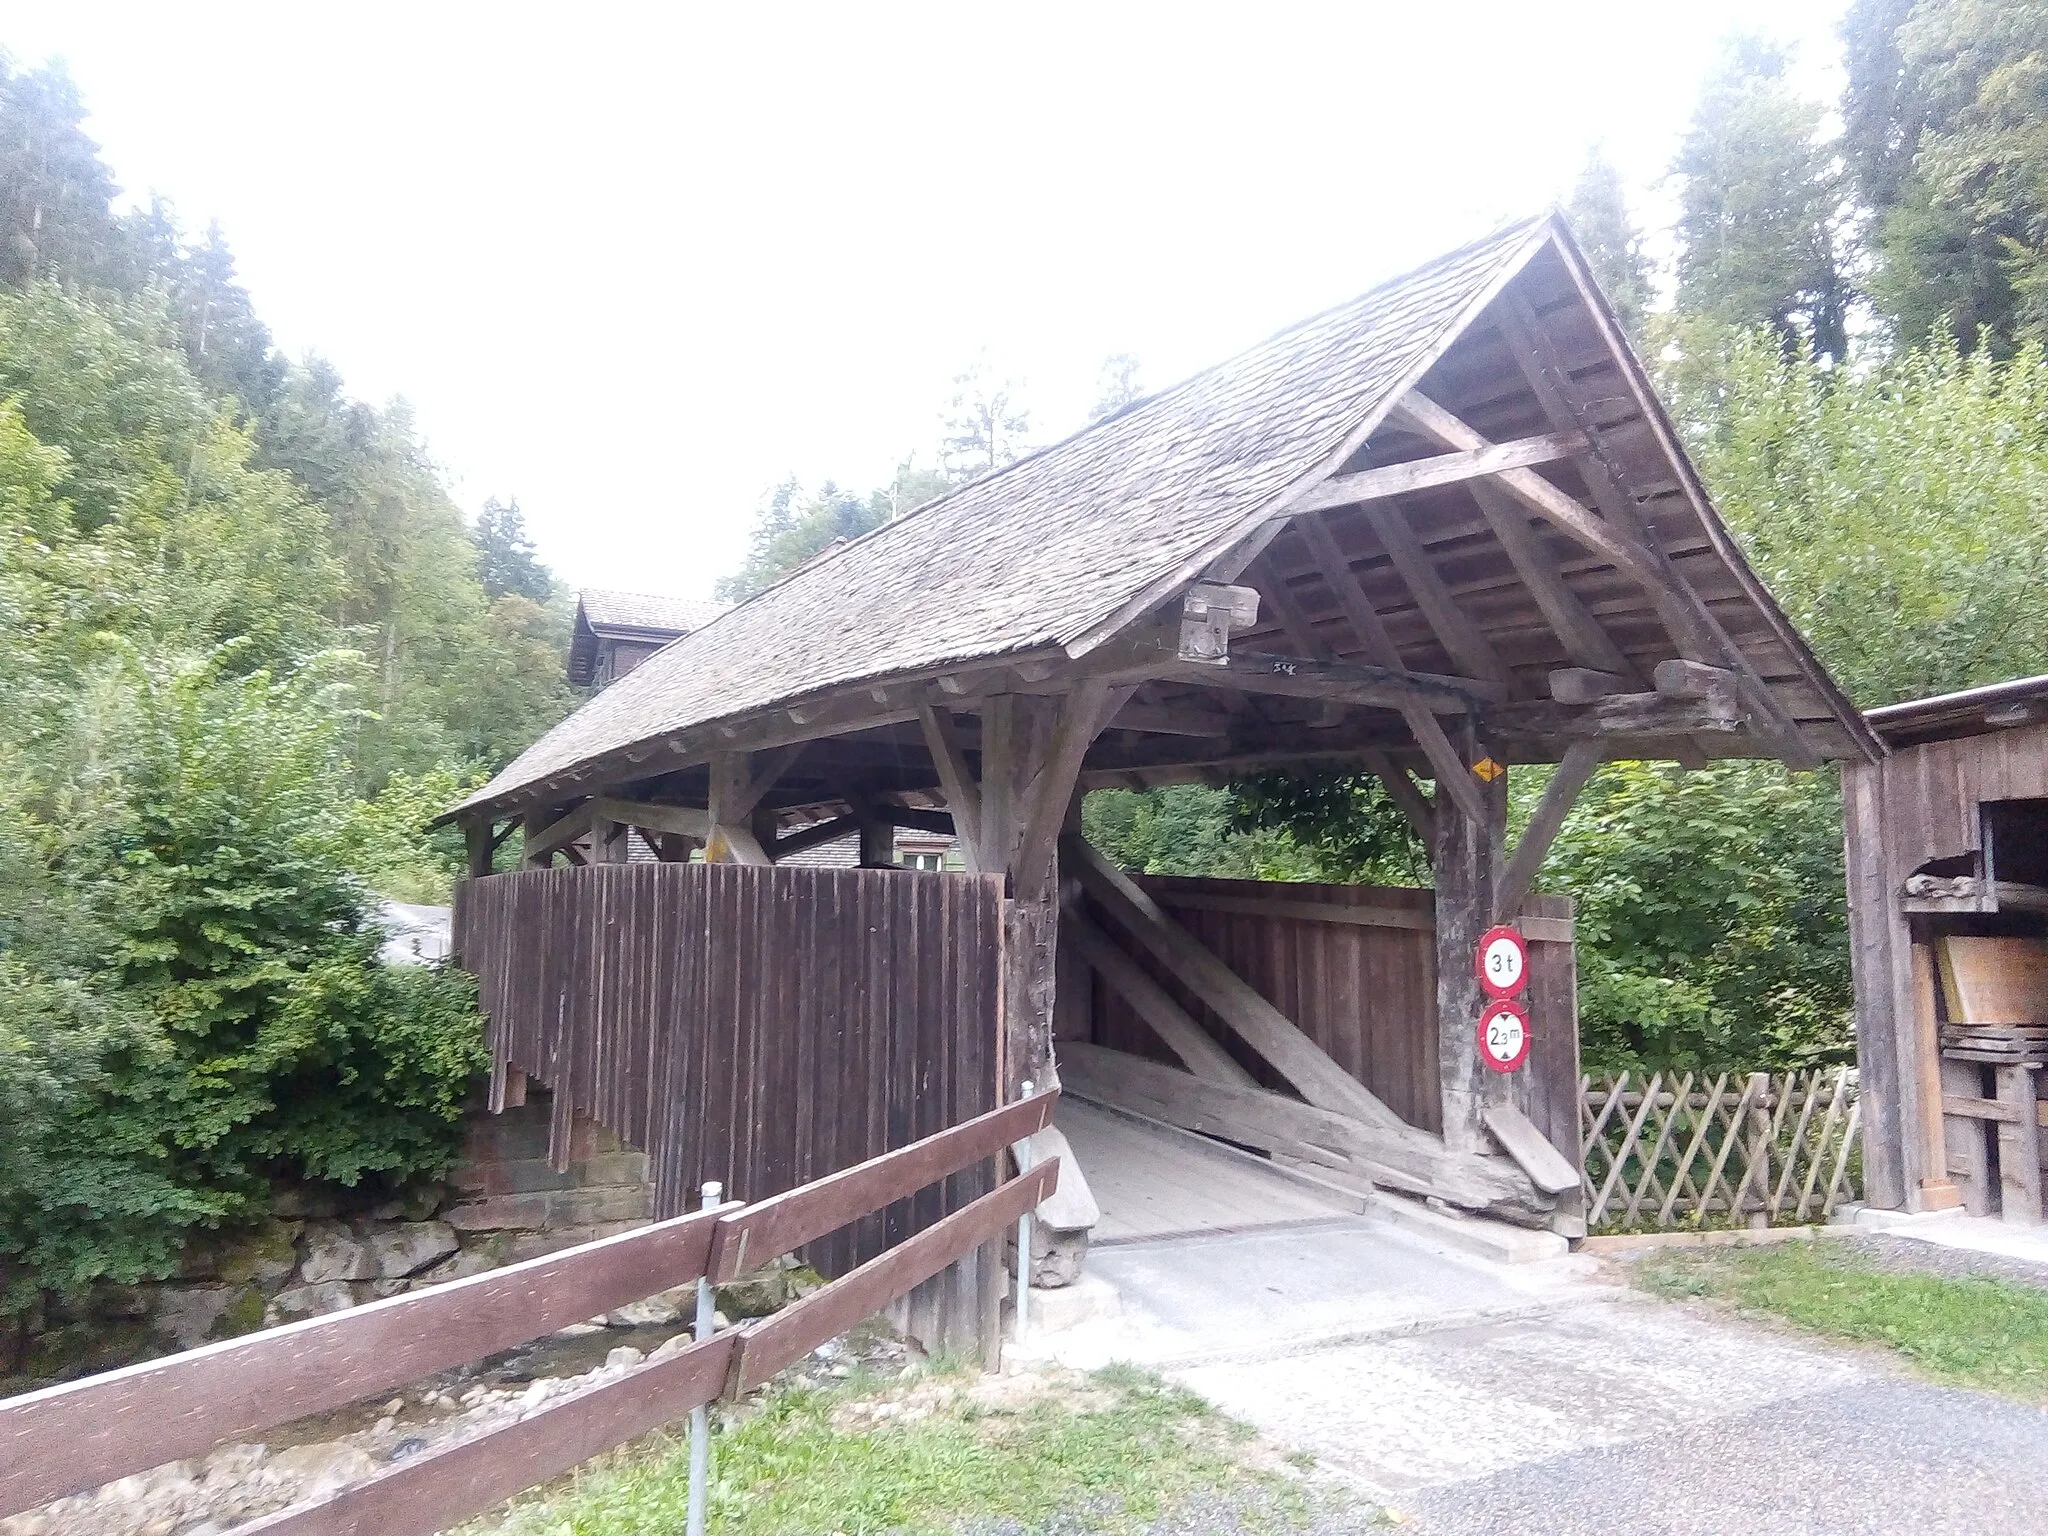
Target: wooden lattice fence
(1718, 1149)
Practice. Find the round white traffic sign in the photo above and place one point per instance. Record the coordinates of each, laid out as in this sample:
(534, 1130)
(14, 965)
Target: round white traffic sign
(1503, 962)
(1503, 1035)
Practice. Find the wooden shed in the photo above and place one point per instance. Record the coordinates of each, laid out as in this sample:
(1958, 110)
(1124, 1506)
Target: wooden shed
(1947, 842)
(1441, 534)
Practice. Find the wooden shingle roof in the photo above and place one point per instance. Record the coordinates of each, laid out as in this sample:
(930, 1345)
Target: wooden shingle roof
(1053, 546)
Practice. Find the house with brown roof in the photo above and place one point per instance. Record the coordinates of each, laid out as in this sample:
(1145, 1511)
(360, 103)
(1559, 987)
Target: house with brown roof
(615, 631)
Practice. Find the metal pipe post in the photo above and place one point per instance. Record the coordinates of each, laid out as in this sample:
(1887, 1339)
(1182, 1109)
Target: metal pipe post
(1023, 1245)
(700, 1417)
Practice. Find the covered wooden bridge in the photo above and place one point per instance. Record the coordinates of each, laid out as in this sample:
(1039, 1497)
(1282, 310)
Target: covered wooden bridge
(1439, 534)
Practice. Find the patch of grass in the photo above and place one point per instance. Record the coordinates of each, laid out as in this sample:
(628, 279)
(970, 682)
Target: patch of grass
(1966, 1332)
(1105, 1453)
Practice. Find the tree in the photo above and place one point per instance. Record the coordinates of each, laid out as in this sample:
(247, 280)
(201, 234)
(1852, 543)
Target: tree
(506, 562)
(228, 347)
(1599, 219)
(1762, 208)
(1116, 387)
(1946, 125)
(1898, 511)
(984, 428)
(54, 192)
(794, 526)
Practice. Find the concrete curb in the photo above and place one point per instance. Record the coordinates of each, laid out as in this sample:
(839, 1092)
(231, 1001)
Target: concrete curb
(1762, 1237)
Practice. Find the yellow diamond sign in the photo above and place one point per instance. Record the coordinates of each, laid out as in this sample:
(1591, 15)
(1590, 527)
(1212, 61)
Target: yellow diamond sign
(1488, 770)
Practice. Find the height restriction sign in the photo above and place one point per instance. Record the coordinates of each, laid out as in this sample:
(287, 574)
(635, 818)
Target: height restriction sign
(1503, 1035)
(1503, 962)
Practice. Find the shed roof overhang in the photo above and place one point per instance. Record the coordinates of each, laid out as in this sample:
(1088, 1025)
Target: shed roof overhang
(1457, 499)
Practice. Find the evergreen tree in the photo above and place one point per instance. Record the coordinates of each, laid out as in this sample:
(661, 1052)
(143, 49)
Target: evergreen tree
(1762, 208)
(55, 195)
(229, 348)
(1599, 219)
(506, 562)
(1946, 126)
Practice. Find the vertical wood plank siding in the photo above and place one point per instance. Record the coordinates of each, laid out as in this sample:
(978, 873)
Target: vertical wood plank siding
(759, 1026)
(1923, 802)
(1367, 995)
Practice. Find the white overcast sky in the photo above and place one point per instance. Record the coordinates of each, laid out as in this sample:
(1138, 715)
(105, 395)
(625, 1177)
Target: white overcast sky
(635, 264)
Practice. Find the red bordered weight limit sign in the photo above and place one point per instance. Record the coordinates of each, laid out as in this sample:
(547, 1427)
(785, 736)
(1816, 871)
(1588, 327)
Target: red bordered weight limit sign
(1503, 1034)
(1503, 962)
(1503, 966)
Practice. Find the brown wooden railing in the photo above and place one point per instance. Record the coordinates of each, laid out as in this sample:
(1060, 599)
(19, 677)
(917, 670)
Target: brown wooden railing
(67, 1439)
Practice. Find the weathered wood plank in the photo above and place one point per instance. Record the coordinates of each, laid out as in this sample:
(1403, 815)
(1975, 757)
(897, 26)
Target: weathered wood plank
(437, 1489)
(766, 1230)
(68, 1438)
(770, 1345)
(1194, 1045)
(1397, 1156)
(1548, 1169)
(1262, 1026)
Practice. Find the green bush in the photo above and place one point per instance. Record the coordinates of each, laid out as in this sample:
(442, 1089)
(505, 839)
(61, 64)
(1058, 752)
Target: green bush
(196, 1006)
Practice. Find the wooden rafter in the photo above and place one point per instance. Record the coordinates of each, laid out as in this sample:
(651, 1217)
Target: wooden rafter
(1585, 641)
(1279, 597)
(1454, 628)
(1379, 645)
(1691, 623)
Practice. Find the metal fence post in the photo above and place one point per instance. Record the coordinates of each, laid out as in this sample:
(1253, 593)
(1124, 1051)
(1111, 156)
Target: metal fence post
(1019, 1151)
(700, 1417)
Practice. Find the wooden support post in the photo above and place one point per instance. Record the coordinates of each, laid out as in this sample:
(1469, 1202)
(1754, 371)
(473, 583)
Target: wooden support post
(479, 846)
(2019, 1148)
(610, 842)
(733, 797)
(1407, 794)
(1014, 733)
(963, 794)
(1937, 1189)
(1468, 866)
(1581, 759)
(877, 837)
(1896, 1067)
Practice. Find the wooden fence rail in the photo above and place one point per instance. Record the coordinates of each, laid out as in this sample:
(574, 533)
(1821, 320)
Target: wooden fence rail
(1728, 1148)
(67, 1439)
